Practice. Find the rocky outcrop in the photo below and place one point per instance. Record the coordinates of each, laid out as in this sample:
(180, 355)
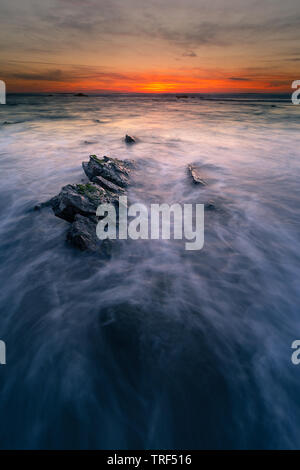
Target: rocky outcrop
(77, 203)
(80, 199)
(195, 175)
(114, 170)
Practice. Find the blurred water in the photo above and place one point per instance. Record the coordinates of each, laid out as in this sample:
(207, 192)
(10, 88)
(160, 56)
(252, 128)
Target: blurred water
(158, 347)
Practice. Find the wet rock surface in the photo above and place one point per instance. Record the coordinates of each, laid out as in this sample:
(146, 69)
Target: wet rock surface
(114, 170)
(108, 184)
(129, 139)
(80, 199)
(77, 203)
(194, 172)
(82, 234)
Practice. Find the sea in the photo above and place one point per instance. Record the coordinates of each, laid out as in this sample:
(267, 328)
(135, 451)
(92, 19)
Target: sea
(155, 347)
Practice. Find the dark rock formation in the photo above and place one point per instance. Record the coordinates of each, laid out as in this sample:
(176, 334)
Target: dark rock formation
(80, 94)
(195, 174)
(114, 170)
(82, 234)
(77, 203)
(129, 140)
(80, 199)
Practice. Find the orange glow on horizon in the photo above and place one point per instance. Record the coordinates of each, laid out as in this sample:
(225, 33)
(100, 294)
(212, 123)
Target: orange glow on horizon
(158, 83)
(156, 87)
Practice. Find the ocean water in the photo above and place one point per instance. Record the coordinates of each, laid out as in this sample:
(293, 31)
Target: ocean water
(157, 347)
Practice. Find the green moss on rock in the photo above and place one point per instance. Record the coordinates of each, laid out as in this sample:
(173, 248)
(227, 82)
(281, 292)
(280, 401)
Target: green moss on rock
(99, 160)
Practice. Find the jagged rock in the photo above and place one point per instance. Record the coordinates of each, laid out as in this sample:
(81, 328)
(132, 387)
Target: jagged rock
(107, 184)
(112, 169)
(82, 234)
(194, 172)
(77, 203)
(79, 199)
(129, 140)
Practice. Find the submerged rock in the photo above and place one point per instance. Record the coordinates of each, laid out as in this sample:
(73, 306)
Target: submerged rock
(195, 174)
(114, 170)
(210, 205)
(129, 140)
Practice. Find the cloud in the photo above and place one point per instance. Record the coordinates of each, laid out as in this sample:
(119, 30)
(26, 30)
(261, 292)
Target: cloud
(239, 79)
(49, 76)
(189, 54)
(124, 39)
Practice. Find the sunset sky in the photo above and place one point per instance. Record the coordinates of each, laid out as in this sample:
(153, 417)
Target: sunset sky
(149, 45)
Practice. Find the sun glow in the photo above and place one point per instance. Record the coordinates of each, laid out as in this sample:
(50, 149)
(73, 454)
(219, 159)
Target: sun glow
(157, 87)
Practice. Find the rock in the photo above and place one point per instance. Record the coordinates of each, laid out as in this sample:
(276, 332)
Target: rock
(77, 203)
(194, 172)
(40, 206)
(129, 140)
(107, 184)
(82, 234)
(210, 206)
(112, 169)
(80, 94)
(80, 199)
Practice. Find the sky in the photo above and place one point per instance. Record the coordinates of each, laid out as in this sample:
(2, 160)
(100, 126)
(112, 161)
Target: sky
(180, 46)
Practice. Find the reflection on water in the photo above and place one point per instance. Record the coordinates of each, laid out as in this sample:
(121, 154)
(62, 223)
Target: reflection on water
(159, 347)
